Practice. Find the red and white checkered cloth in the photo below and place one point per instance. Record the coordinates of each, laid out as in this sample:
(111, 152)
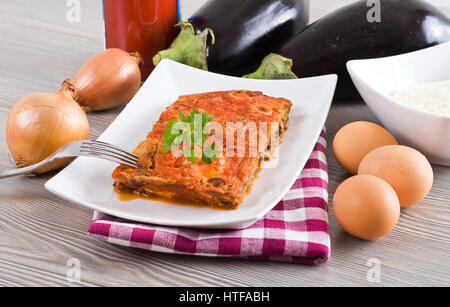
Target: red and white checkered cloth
(295, 231)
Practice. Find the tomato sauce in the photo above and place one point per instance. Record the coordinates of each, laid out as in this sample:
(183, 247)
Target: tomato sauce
(124, 196)
(145, 26)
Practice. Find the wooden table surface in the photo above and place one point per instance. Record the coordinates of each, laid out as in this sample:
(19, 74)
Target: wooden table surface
(40, 233)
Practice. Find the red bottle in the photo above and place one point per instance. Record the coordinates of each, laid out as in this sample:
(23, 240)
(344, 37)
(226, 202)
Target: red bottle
(145, 26)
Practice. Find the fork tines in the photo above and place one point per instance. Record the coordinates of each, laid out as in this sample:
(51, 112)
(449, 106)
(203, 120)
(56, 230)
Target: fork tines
(109, 152)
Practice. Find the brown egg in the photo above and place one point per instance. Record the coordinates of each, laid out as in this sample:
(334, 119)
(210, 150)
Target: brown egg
(355, 140)
(404, 168)
(366, 207)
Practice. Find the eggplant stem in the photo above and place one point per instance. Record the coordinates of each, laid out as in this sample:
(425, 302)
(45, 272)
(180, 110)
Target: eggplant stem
(188, 48)
(209, 31)
(273, 67)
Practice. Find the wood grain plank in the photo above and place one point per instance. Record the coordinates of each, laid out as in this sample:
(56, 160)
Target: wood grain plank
(39, 232)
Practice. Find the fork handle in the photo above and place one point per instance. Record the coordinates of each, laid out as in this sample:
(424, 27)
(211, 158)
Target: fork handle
(24, 170)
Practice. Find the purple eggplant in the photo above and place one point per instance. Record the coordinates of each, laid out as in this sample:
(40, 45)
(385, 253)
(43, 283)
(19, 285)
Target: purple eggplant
(325, 46)
(233, 36)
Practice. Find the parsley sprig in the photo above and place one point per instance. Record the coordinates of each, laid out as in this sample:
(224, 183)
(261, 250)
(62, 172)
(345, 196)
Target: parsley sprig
(191, 132)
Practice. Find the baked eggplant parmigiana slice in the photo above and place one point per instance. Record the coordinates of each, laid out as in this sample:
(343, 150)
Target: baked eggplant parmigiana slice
(226, 181)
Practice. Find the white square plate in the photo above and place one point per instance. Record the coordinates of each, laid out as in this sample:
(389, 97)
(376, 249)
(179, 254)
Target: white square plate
(88, 182)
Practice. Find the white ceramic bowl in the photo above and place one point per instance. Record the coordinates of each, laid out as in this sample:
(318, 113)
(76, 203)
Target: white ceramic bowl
(375, 79)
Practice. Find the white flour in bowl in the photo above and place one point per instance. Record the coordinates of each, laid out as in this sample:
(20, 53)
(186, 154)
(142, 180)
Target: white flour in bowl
(431, 97)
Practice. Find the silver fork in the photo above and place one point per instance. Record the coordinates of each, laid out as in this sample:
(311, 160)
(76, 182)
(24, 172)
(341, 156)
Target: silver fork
(86, 148)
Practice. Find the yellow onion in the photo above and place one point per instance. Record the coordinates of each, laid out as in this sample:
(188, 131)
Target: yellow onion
(109, 79)
(41, 123)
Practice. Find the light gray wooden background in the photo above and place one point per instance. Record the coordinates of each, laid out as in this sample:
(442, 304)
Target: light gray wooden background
(39, 232)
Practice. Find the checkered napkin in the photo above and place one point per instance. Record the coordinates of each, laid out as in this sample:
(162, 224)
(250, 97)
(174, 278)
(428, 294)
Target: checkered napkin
(295, 231)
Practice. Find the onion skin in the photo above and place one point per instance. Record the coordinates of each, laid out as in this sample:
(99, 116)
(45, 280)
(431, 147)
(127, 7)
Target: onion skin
(40, 123)
(109, 79)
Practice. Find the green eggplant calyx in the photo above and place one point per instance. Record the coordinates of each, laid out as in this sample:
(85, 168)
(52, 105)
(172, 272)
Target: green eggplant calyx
(188, 48)
(273, 67)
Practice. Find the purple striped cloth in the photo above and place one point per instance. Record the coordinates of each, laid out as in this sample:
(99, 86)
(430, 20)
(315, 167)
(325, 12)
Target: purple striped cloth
(295, 231)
